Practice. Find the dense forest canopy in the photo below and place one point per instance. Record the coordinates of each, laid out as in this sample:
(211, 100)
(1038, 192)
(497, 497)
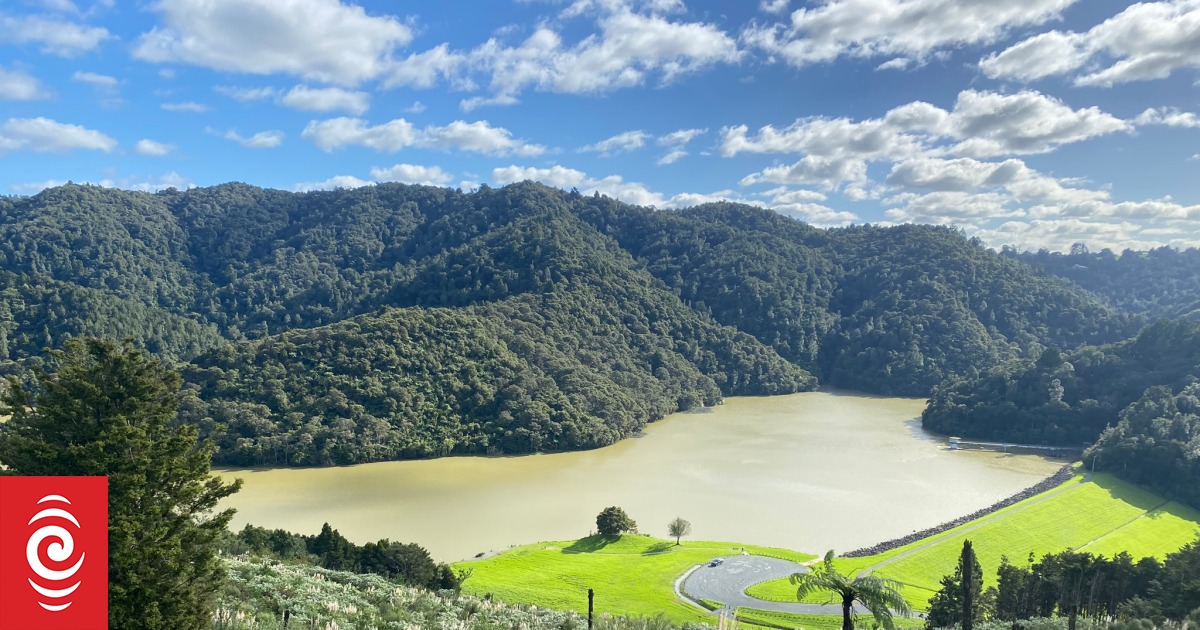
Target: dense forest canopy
(396, 321)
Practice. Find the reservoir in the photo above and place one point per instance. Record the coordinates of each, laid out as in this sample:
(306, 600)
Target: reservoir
(810, 472)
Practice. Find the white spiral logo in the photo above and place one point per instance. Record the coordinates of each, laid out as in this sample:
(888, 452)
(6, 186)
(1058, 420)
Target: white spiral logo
(59, 551)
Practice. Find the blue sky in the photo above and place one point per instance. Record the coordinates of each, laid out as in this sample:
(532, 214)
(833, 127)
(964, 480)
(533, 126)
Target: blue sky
(1036, 123)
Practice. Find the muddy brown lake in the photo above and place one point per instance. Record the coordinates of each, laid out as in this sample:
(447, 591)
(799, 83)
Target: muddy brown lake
(811, 472)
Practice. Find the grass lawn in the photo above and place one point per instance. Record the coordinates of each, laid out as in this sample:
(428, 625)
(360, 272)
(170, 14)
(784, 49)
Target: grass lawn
(631, 575)
(1103, 516)
(771, 619)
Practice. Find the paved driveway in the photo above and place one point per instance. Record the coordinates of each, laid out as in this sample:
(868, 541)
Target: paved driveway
(728, 583)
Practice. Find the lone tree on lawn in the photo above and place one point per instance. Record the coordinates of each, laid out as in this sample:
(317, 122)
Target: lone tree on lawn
(879, 596)
(107, 409)
(679, 528)
(612, 521)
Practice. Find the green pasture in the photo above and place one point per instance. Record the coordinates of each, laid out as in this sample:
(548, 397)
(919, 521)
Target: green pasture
(1102, 516)
(790, 621)
(631, 574)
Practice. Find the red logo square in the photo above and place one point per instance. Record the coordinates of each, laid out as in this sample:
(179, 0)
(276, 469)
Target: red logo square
(53, 553)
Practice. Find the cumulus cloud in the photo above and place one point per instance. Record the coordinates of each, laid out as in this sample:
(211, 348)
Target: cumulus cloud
(326, 100)
(773, 6)
(1147, 40)
(333, 183)
(976, 194)
(630, 48)
(56, 36)
(44, 135)
(98, 81)
(189, 107)
(908, 29)
(671, 157)
(981, 124)
(321, 40)
(619, 143)
(247, 94)
(413, 174)
(1168, 116)
(137, 182)
(805, 205)
(990, 124)
(680, 137)
(260, 140)
(478, 137)
(19, 86)
(613, 186)
(150, 147)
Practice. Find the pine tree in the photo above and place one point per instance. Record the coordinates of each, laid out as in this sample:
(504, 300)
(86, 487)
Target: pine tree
(956, 604)
(107, 409)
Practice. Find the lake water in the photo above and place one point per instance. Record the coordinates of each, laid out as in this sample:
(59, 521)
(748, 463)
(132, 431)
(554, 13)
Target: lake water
(811, 472)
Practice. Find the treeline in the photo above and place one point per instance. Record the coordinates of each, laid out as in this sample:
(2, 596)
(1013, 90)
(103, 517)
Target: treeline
(1071, 398)
(406, 563)
(1159, 283)
(396, 321)
(1074, 585)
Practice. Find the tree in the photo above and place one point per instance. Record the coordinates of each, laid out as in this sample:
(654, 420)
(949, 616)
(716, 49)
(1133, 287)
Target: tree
(679, 528)
(612, 521)
(107, 409)
(957, 601)
(880, 596)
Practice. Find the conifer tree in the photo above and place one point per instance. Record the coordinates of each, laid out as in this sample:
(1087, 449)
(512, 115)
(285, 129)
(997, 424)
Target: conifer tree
(107, 408)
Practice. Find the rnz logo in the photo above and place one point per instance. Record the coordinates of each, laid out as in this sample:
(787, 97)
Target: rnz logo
(53, 553)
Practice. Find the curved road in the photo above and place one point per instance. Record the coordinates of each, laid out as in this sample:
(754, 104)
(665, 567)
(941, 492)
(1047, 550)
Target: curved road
(728, 583)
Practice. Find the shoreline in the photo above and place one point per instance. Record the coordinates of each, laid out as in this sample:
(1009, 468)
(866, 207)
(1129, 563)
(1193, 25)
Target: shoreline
(1063, 475)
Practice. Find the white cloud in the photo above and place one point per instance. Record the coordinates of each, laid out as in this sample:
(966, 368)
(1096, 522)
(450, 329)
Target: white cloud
(413, 174)
(149, 184)
(322, 40)
(773, 6)
(475, 102)
(1168, 116)
(680, 137)
(911, 29)
(98, 81)
(150, 147)
(990, 124)
(416, 108)
(326, 100)
(614, 186)
(247, 94)
(333, 183)
(139, 183)
(1147, 40)
(44, 135)
(1044, 211)
(671, 157)
(56, 36)
(628, 50)
(982, 124)
(189, 107)
(260, 140)
(31, 188)
(478, 137)
(18, 86)
(620, 143)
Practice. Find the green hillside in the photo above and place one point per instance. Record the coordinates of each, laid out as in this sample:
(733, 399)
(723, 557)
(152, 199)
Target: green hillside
(539, 319)
(1102, 516)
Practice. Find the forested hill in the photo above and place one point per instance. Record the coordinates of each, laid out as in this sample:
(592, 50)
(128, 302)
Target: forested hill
(1160, 283)
(1140, 397)
(399, 321)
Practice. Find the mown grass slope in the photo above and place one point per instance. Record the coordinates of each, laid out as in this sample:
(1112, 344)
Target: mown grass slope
(631, 574)
(1102, 516)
